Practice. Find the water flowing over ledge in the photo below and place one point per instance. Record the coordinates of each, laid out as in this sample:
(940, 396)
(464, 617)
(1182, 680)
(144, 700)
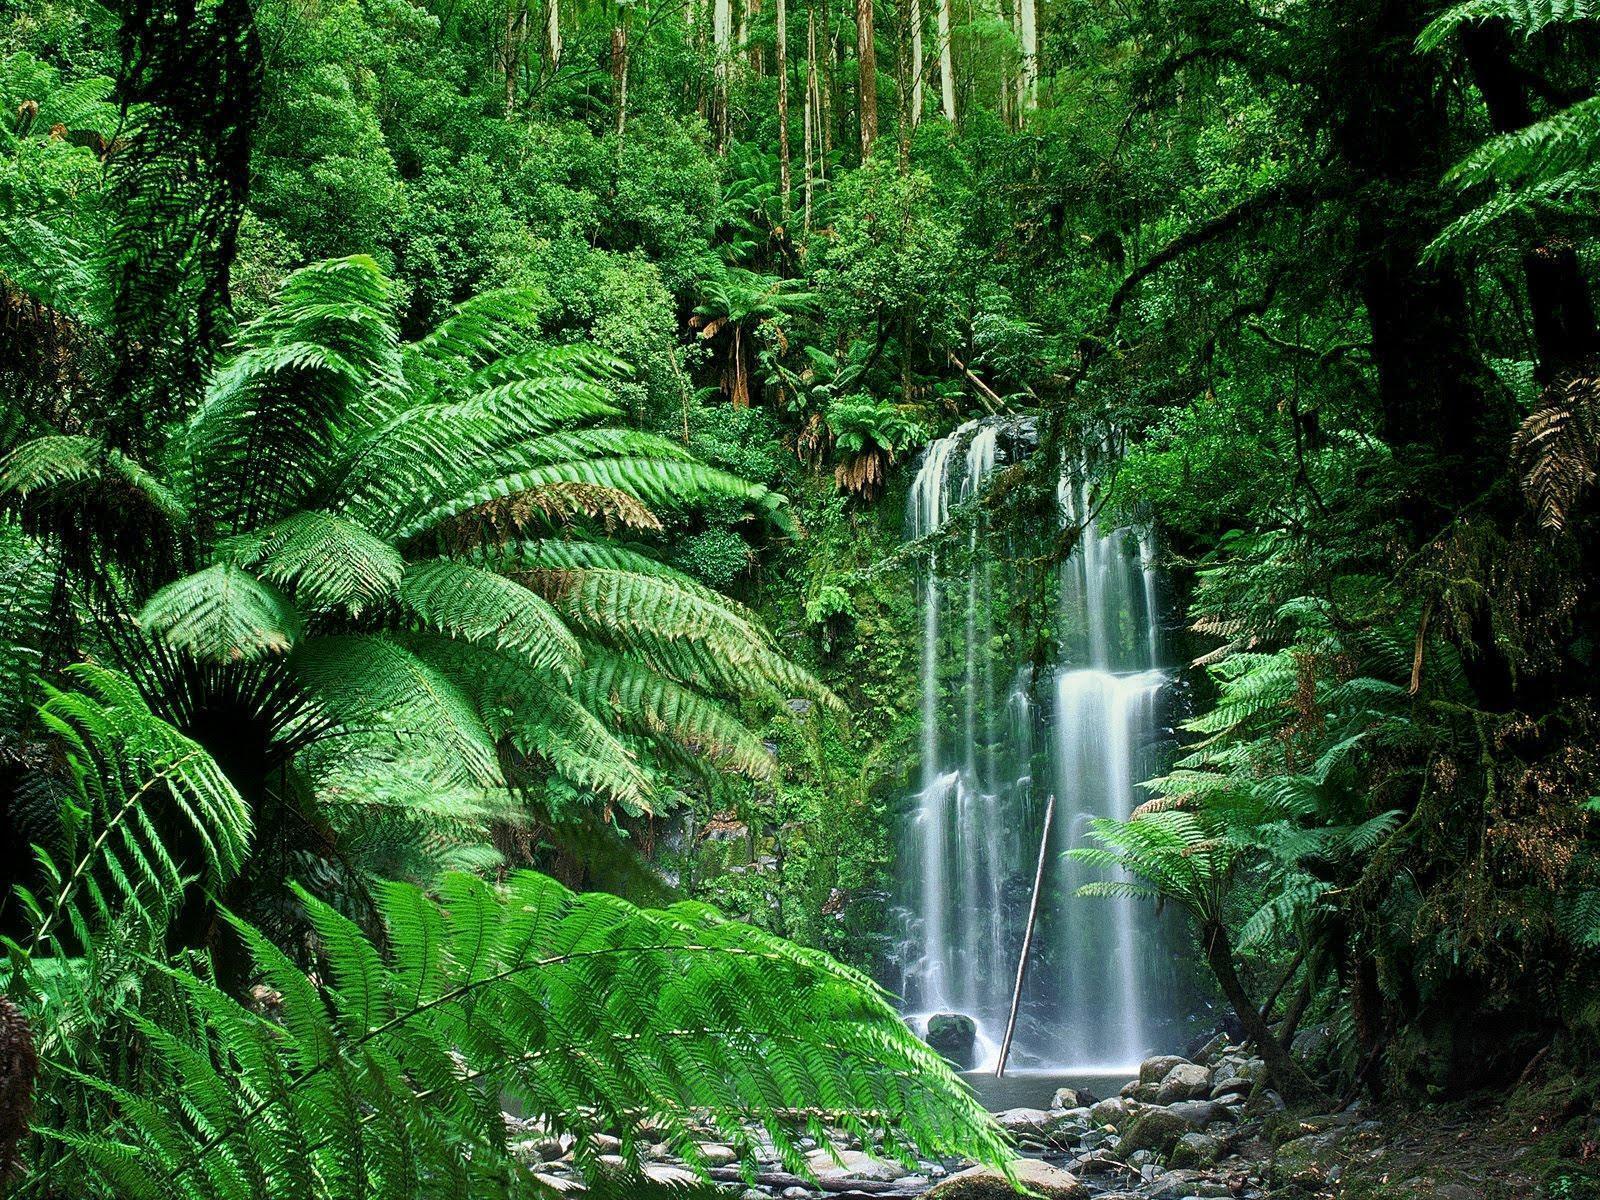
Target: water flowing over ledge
(998, 736)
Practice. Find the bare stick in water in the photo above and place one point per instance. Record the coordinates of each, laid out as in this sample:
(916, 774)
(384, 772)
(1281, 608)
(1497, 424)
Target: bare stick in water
(1027, 938)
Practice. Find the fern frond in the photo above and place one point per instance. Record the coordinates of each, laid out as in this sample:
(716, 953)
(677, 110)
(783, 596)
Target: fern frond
(223, 614)
(596, 1016)
(1526, 17)
(482, 606)
(133, 780)
(329, 561)
(375, 684)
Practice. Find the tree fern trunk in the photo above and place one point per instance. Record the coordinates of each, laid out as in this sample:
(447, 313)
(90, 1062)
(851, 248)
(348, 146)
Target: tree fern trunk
(1287, 1076)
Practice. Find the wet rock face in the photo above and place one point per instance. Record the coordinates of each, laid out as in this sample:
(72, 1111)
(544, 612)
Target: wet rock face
(954, 1035)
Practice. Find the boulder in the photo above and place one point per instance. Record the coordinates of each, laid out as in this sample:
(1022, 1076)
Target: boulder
(852, 1164)
(1029, 1122)
(1195, 1150)
(985, 1183)
(1112, 1112)
(672, 1177)
(954, 1035)
(718, 1155)
(1186, 1081)
(1302, 1161)
(1154, 1070)
(1156, 1129)
(1066, 1098)
(1197, 1114)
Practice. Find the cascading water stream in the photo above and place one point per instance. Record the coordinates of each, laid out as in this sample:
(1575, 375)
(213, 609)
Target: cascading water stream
(1096, 723)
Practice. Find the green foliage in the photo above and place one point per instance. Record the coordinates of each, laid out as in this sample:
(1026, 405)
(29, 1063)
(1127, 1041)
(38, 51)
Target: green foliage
(594, 1015)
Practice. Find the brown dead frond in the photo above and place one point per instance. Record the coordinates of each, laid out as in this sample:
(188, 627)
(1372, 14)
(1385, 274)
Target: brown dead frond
(1557, 446)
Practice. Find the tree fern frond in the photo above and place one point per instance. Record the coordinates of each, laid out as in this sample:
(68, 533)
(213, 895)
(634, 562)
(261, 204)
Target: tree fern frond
(1556, 448)
(650, 705)
(329, 560)
(375, 684)
(223, 614)
(657, 483)
(132, 779)
(482, 606)
(1526, 17)
(596, 1016)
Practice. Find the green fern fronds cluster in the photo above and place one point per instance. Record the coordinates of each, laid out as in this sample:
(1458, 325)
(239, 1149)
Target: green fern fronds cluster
(420, 538)
(594, 1015)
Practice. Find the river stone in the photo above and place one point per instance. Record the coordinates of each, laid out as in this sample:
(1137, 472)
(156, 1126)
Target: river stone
(985, 1183)
(1154, 1070)
(1186, 1081)
(559, 1185)
(718, 1155)
(1200, 1113)
(1024, 1122)
(670, 1176)
(954, 1035)
(1195, 1150)
(852, 1164)
(1155, 1129)
(1113, 1111)
(1066, 1098)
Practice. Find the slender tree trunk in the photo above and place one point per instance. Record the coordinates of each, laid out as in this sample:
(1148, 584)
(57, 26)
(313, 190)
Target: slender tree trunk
(781, 53)
(619, 72)
(867, 59)
(553, 32)
(1028, 78)
(915, 20)
(721, 34)
(516, 31)
(810, 109)
(1287, 1075)
(947, 71)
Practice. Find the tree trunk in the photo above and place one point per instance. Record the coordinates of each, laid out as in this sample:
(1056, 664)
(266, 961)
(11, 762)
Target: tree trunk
(619, 72)
(915, 21)
(810, 109)
(516, 29)
(947, 72)
(867, 59)
(553, 32)
(1287, 1076)
(721, 35)
(781, 52)
(1028, 79)
(1564, 329)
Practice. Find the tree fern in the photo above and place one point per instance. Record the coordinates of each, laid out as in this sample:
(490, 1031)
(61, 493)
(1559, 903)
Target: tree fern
(130, 781)
(596, 1016)
(1526, 17)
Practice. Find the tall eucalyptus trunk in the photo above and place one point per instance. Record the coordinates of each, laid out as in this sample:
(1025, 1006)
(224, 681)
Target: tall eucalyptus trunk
(721, 37)
(915, 21)
(867, 60)
(781, 52)
(553, 32)
(1028, 77)
(947, 70)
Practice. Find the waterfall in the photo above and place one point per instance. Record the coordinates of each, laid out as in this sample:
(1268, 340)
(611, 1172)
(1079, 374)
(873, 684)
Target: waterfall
(995, 739)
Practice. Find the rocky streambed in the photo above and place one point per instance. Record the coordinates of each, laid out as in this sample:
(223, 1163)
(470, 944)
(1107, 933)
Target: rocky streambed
(1184, 1128)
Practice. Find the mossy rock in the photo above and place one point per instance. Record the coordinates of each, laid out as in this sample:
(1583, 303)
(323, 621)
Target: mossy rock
(985, 1183)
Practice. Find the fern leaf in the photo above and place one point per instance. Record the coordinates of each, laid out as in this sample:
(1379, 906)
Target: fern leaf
(223, 614)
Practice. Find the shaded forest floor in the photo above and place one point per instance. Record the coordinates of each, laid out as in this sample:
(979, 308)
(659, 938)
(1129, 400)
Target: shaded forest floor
(1536, 1141)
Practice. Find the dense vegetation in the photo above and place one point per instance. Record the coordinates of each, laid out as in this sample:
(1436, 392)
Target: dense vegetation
(455, 447)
